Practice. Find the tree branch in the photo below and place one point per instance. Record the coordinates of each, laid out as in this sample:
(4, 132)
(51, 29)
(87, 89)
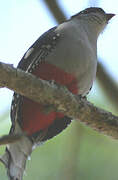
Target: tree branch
(108, 85)
(73, 106)
(55, 10)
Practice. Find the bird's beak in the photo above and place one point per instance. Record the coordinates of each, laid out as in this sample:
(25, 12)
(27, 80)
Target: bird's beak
(109, 16)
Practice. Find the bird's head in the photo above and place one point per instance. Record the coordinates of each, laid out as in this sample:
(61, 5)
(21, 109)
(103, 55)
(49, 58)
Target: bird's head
(95, 17)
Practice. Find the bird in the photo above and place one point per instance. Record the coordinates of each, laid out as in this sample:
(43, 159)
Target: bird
(66, 55)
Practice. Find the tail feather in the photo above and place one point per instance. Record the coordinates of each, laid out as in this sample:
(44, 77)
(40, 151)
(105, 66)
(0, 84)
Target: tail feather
(4, 159)
(15, 158)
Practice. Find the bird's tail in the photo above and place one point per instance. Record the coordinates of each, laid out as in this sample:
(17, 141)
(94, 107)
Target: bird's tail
(18, 149)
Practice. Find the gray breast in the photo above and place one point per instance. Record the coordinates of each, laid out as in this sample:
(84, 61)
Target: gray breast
(75, 56)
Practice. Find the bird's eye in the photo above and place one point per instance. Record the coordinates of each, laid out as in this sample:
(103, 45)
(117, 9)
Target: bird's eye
(84, 12)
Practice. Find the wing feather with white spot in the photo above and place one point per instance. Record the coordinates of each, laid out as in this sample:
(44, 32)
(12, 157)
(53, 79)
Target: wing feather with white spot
(35, 54)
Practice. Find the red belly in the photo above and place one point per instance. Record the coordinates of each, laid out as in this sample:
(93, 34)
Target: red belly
(34, 117)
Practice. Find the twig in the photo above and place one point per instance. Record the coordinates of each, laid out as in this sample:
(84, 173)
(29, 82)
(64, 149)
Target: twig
(108, 85)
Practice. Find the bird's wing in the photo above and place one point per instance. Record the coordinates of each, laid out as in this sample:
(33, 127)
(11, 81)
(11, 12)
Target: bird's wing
(34, 55)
